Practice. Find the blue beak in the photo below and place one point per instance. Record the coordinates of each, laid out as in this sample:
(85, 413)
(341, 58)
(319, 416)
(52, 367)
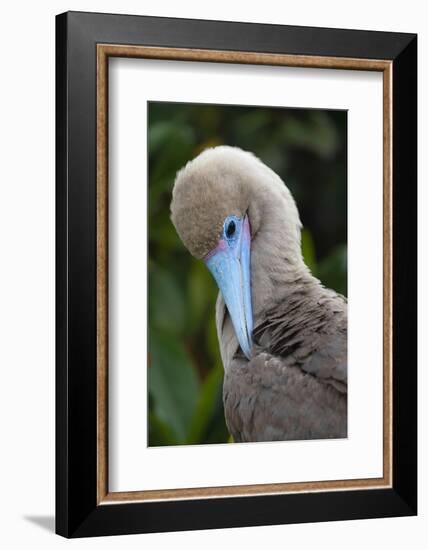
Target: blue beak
(229, 263)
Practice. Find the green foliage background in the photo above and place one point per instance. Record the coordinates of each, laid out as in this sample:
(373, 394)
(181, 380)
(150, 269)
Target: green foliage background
(307, 148)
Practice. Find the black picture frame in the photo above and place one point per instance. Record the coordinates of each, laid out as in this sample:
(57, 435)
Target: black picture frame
(77, 511)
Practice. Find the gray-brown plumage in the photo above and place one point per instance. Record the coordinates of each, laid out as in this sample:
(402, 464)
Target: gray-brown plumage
(292, 381)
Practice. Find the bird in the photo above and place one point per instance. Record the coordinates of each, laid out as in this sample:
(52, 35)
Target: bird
(282, 334)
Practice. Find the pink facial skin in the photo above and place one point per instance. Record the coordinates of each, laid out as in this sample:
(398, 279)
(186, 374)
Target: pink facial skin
(222, 245)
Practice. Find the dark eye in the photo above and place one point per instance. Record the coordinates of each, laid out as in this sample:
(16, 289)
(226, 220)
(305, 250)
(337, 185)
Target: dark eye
(230, 229)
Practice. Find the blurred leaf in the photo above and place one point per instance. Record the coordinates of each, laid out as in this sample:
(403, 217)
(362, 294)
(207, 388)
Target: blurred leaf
(217, 431)
(207, 405)
(167, 308)
(332, 271)
(163, 233)
(201, 292)
(316, 133)
(173, 383)
(173, 144)
(157, 193)
(213, 142)
(308, 249)
(207, 118)
(249, 124)
(212, 338)
(160, 433)
(161, 133)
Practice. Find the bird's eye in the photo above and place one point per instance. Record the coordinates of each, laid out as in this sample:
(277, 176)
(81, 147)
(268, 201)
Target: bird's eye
(230, 230)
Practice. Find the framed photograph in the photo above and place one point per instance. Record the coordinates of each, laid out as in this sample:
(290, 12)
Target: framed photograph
(236, 274)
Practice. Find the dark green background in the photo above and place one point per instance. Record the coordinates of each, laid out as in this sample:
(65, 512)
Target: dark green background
(307, 148)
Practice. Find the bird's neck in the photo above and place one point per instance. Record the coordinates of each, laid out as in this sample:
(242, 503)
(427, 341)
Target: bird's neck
(277, 271)
(277, 266)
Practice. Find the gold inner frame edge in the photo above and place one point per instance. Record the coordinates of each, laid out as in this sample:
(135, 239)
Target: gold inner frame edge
(104, 51)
